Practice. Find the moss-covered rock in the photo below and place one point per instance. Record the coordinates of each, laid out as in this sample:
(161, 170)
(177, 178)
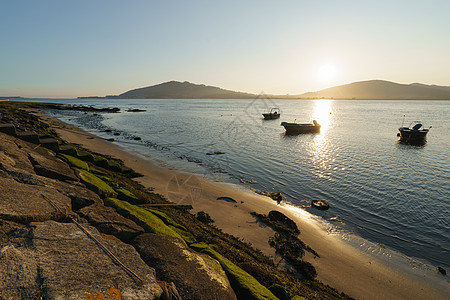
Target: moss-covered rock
(95, 184)
(244, 285)
(75, 162)
(128, 196)
(150, 222)
(279, 291)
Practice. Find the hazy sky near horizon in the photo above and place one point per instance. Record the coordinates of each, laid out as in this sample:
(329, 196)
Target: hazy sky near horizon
(54, 48)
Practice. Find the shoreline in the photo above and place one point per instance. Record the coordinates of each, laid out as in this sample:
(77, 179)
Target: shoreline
(340, 265)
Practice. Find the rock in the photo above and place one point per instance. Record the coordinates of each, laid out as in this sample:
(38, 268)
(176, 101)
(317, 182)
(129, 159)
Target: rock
(274, 195)
(8, 128)
(196, 276)
(441, 271)
(227, 199)
(60, 261)
(52, 167)
(49, 143)
(320, 204)
(22, 204)
(14, 154)
(18, 273)
(95, 184)
(108, 221)
(283, 220)
(28, 136)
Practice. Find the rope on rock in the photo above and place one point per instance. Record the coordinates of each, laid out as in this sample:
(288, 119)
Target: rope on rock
(96, 241)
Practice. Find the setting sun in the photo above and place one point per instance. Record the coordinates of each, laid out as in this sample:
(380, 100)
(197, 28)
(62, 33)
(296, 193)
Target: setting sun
(326, 72)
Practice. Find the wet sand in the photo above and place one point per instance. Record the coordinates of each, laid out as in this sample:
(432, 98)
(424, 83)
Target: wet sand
(341, 265)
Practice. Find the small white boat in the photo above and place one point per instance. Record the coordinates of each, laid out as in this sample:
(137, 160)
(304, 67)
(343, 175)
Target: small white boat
(295, 128)
(414, 133)
(273, 114)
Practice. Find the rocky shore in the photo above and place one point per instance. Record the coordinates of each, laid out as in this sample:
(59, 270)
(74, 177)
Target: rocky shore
(75, 225)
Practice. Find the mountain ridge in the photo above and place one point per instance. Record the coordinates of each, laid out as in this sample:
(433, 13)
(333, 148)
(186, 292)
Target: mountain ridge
(183, 90)
(360, 90)
(382, 90)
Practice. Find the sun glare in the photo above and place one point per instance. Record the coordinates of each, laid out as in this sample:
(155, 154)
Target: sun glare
(326, 72)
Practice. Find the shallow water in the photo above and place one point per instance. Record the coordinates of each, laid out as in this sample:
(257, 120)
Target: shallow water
(388, 193)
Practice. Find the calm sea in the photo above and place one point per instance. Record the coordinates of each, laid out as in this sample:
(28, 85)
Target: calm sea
(391, 194)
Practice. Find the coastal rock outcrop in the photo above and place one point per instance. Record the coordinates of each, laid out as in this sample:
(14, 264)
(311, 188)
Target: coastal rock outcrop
(21, 204)
(60, 261)
(196, 276)
(108, 221)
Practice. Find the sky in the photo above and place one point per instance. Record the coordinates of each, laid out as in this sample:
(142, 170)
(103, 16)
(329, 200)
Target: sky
(66, 49)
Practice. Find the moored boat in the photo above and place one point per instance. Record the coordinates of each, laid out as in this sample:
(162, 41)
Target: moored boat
(294, 128)
(414, 133)
(273, 114)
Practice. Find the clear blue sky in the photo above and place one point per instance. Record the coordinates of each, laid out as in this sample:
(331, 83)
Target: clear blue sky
(54, 48)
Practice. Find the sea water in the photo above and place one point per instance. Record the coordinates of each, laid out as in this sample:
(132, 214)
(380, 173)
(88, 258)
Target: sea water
(391, 194)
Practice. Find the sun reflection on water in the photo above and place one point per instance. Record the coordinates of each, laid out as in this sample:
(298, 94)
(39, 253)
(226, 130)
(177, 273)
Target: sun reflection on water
(323, 113)
(322, 157)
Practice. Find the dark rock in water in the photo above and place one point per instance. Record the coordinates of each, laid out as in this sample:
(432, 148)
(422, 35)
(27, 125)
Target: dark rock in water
(441, 271)
(137, 138)
(116, 133)
(136, 110)
(111, 140)
(215, 153)
(274, 195)
(196, 275)
(320, 204)
(283, 220)
(228, 199)
(108, 221)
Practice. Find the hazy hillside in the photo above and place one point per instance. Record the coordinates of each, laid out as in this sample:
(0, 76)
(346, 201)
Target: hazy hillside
(183, 90)
(379, 89)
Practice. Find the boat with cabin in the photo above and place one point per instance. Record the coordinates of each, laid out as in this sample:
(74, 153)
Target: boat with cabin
(414, 133)
(273, 114)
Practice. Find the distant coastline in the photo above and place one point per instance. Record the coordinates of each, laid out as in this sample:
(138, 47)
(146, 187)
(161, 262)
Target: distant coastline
(363, 90)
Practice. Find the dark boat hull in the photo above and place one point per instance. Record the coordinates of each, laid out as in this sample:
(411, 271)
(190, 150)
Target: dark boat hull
(294, 128)
(270, 116)
(410, 135)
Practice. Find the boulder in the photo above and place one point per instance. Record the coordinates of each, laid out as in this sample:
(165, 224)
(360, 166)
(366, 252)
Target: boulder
(22, 204)
(196, 276)
(52, 167)
(8, 128)
(95, 184)
(60, 261)
(12, 154)
(18, 273)
(283, 220)
(108, 221)
(28, 136)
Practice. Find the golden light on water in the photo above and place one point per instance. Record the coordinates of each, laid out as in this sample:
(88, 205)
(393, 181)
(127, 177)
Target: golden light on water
(322, 160)
(322, 113)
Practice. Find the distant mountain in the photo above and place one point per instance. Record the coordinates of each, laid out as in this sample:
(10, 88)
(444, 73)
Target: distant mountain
(183, 90)
(380, 89)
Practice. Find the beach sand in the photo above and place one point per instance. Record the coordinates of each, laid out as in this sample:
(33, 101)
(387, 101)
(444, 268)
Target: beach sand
(341, 265)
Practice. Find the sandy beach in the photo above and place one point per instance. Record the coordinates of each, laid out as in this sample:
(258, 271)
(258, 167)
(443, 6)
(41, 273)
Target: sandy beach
(341, 265)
